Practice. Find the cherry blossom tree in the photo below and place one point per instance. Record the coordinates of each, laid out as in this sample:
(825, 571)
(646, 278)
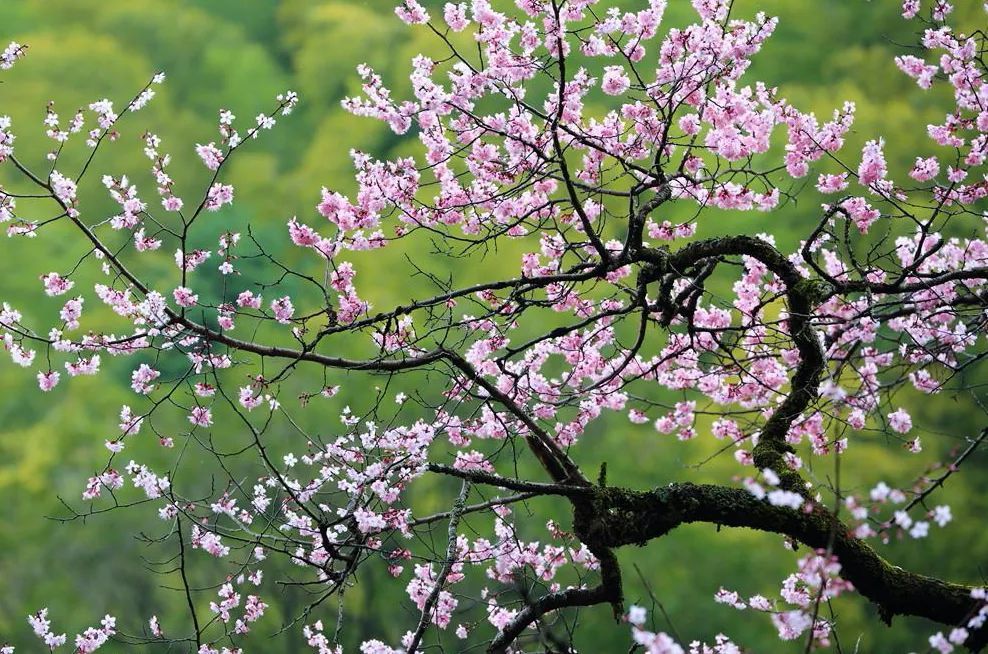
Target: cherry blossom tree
(559, 134)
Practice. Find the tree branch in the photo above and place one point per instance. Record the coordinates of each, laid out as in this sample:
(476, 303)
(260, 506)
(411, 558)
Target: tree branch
(802, 295)
(616, 517)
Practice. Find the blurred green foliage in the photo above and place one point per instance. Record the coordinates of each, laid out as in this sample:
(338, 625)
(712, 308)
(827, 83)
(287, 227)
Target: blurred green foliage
(238, 55)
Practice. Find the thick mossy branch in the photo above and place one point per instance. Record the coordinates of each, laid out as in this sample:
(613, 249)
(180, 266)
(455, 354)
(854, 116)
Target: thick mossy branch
(802, 295)
(606, 518)
(614, 517)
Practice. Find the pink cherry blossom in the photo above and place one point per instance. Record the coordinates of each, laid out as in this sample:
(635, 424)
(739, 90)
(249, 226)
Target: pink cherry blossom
(211, 156)
(55, 284)
(615, 81)
(900, 421)
(201, 416)
(184, 297)
(283, 309)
